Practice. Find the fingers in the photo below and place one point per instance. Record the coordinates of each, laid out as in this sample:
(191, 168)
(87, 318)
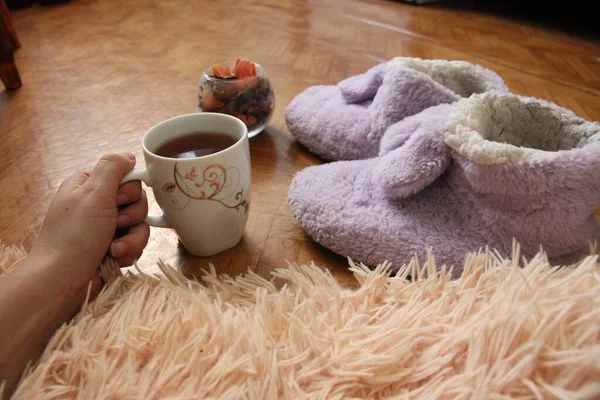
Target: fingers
(134, 213)
(129, 192)
(110, 170)
(131, 245)
(75, 180)
(126, 261)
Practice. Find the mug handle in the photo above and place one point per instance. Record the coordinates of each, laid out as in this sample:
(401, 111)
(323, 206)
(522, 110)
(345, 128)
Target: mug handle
(141, 174)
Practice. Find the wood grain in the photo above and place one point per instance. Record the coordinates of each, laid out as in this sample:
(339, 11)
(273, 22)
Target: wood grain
(100, 73)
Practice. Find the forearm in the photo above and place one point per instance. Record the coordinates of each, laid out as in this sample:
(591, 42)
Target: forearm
(35, 300)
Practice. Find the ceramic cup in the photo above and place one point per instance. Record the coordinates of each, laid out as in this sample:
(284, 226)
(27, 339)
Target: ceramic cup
(205, 199)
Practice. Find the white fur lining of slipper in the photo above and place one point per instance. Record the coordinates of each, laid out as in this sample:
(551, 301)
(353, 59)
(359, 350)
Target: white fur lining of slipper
(462, 77)
(496, 128)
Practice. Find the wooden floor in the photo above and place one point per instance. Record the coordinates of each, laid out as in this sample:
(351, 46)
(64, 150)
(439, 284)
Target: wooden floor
(97, 74)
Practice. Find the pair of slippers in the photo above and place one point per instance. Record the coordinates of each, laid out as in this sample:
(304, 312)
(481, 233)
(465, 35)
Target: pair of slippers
(438, 154)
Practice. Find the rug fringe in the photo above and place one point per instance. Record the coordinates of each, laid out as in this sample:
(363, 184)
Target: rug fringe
(507, 328)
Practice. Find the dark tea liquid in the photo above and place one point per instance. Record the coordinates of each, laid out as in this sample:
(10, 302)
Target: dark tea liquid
(196, 144)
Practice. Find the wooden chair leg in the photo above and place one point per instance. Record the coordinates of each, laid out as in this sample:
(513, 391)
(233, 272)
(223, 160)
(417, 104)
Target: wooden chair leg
(7, 22)
(8, 72)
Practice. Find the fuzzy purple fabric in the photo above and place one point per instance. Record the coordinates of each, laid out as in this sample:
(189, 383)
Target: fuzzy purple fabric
(347, 121)
(483, 190)
(413, 153)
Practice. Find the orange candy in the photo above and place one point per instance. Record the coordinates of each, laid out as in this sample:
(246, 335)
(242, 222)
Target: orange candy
(242, 68)
(220, 71)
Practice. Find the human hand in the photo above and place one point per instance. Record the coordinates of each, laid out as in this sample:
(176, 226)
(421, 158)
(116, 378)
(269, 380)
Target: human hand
(81, 221)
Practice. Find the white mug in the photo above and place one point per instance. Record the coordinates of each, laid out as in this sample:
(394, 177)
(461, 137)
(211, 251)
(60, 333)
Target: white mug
(205, 199)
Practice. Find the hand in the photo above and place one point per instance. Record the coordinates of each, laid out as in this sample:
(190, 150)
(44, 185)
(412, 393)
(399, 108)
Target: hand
(82, 218)
(47, 287)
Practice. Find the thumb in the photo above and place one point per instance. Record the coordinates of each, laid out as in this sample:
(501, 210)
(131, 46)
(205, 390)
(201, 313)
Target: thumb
(110, 170)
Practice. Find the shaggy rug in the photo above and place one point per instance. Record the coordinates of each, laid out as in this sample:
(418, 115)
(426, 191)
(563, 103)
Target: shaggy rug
(505, 329)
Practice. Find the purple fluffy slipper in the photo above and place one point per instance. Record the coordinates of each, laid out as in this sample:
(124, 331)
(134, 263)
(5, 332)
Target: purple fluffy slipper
(347, 121)
(458, 178)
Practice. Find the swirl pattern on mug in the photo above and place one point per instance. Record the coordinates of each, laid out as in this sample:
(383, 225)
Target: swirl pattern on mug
(215, 183)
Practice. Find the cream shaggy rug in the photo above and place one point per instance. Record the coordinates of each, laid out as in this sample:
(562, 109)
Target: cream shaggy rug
(499, 332)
